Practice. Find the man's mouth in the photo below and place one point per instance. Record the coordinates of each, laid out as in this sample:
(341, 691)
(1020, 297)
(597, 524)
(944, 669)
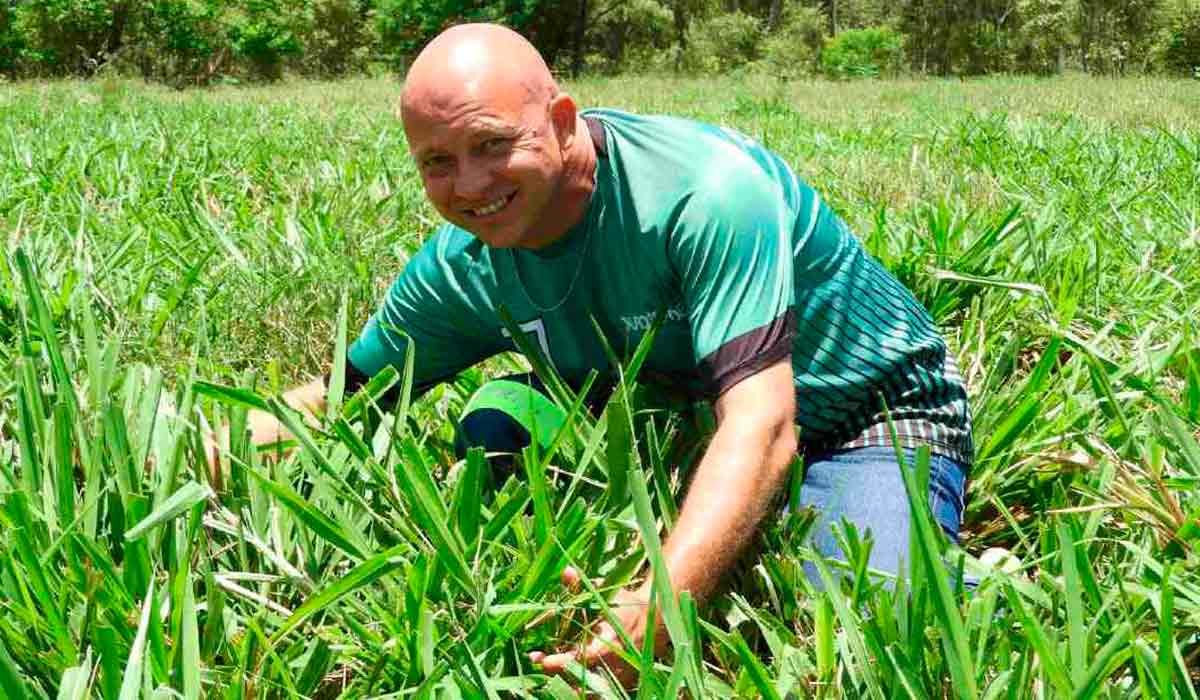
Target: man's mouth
(492, 207)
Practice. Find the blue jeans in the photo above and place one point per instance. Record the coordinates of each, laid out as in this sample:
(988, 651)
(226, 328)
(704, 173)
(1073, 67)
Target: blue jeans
(864, 486)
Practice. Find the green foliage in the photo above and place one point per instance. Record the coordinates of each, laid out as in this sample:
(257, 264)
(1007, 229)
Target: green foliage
(1182, 50)
(265, 32)
(863, 53)
(197, 42)
(1044, 37)
(630, 36)
(181, 41)
(723, 42)
(70, 36)
(405, 26)
(11, 42)
(337, 39)
(1116, 36)
(791, 50)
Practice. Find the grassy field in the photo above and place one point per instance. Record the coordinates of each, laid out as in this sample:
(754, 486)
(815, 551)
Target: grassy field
(173, 258)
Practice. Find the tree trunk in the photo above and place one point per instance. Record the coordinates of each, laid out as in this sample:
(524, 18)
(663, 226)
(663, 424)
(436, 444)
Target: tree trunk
(117, 34)
(680, 16)
(775, 15)
(580, 31)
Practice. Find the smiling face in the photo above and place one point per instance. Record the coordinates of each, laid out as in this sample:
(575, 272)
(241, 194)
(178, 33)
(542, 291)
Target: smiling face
(491, 137)
(489, 166)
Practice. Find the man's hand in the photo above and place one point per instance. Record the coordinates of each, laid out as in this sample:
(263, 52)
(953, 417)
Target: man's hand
(746, 463)
(264, 428)
(602, 650)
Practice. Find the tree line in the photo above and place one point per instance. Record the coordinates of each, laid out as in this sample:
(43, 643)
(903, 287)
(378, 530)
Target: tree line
(196, 42)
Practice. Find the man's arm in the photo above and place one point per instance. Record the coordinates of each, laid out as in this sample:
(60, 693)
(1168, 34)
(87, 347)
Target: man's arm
(745, 465)
(265, 428)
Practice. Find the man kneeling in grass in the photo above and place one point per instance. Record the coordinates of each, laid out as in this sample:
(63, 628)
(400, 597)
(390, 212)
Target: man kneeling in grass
(772, 309)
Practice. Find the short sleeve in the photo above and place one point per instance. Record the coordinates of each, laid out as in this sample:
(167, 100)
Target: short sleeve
(432, 304)
(731, 247)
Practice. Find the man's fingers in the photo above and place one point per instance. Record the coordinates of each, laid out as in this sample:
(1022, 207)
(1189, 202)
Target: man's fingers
(571, 578)
(598, 648)
(602, 644)
(556, 663)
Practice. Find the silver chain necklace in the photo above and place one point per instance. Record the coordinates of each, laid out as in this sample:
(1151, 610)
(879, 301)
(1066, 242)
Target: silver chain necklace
(570, 288)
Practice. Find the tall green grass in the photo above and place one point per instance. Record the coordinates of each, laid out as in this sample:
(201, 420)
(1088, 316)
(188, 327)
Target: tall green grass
(173, 260)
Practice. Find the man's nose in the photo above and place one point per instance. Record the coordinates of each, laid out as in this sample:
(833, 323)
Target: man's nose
(472, 181)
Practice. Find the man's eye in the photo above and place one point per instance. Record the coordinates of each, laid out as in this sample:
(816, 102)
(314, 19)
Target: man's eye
(436, 163)
(495, 146)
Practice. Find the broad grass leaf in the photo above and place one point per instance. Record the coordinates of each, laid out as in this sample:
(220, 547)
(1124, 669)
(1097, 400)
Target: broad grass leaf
(1164, 669)
(1013, 425)
(686, 648)
(232, 396)
(10, 677)
(76, 681)
(468, 496)
(425, 502)
(361, 575)
(179, 502)
(929, 552)
(752, 666)
(371, 392)
(337, 375)
(1184, 438)
(618, 451)
(190, 661)
(1035, 634)
(322, 525)
(131, 685)
(1114, 652)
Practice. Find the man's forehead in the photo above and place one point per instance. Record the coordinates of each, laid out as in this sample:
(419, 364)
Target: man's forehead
(463, 115)
(427, 134)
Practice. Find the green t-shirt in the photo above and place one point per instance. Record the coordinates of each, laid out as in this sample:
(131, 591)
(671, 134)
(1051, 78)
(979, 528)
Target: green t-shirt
(748, 263)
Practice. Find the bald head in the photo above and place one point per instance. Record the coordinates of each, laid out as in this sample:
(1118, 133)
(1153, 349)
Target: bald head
(482, 61)
(494, 139)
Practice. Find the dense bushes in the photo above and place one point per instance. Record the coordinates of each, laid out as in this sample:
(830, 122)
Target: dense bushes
(791, 51)
(723, 42)
(634, 35)
(10, 40)
(858, 53)
(193, 42)
(1182, 46)
(180, 40)
(70, 36)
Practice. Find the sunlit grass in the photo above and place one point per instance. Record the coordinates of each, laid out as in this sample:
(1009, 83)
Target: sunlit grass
(174, 258)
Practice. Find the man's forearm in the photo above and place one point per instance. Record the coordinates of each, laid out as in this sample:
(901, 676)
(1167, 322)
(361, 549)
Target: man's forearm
(739, 475)
(741, 472)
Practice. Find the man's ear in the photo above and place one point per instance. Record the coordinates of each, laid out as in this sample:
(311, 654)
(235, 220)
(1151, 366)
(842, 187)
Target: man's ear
(563, 114)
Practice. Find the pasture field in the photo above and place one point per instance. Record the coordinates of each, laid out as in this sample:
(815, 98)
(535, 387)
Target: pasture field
(174, 258)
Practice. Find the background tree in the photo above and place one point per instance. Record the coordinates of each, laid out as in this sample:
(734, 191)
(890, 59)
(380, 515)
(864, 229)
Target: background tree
(193, 42)
(1044, 37)
(1114, 33)
(10, 40)
(1182, 45)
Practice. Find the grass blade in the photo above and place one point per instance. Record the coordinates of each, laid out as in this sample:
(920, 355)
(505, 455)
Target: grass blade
(131, 685)
(314, 519)
(179, 502)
